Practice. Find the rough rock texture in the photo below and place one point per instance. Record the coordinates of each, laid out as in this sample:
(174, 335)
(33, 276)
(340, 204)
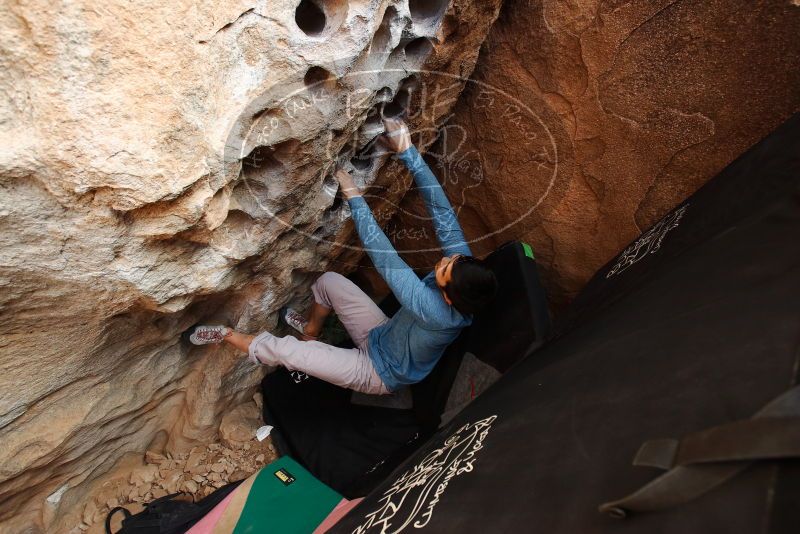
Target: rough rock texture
(196, 472)
(164, 164)
(591, 119)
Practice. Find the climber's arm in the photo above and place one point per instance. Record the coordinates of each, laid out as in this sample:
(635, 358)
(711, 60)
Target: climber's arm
(445, 222)
(402, 280)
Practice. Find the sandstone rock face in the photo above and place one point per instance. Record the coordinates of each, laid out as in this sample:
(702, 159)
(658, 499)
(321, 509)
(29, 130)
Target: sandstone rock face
(588, 120)
(164, 164)
(197, 472)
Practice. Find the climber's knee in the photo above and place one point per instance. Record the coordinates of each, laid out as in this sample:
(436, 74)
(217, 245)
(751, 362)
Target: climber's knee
(325, 285)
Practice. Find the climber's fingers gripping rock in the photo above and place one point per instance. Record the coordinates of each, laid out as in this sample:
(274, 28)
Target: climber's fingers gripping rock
(348, 186)
(397, 137)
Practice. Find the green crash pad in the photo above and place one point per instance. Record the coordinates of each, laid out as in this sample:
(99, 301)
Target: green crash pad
(286, 498)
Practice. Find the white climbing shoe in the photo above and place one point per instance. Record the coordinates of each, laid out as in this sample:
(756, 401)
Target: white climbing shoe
(296, 320)
(204, 335)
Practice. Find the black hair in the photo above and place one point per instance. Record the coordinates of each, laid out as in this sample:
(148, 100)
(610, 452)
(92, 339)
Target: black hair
(472, 285)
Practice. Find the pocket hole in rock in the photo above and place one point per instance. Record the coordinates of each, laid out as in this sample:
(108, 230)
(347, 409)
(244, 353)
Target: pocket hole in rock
(310, 17)
(383, 35)
(361, 162)
(428, 12)
(338, 201)
(318, 79)
(418, 49)
(318, 17)
(399, 104)
(384, 94)
(364, 157)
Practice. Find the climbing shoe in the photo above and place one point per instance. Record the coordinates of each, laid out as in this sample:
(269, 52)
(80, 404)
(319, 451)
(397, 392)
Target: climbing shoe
(296, 321)
(204, 335)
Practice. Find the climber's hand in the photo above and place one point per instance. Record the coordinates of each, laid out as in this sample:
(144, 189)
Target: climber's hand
(397, 137)
(349, 188)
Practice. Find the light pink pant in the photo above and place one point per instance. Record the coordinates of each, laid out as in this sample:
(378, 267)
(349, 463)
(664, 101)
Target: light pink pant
(348, 368)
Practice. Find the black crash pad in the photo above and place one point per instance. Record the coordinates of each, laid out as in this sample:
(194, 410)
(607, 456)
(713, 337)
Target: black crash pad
(352, 447)
(696, 324)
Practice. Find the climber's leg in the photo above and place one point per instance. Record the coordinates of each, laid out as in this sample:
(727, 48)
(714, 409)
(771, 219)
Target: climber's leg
(347, 368)
(205, 335)
(316, 318)
(357, 312)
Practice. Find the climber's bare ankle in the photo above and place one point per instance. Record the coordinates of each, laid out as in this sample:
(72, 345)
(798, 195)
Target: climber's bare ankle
(238, 340)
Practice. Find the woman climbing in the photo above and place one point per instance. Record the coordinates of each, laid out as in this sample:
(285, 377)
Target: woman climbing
(390, 352)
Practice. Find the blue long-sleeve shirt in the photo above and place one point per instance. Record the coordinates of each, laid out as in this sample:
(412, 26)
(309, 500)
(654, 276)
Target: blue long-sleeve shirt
(406, 348)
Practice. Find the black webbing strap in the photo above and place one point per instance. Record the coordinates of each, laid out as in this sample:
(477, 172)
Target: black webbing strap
(703, 460)
(111, 513)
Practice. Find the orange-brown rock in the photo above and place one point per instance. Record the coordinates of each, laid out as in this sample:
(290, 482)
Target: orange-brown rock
(588, 120)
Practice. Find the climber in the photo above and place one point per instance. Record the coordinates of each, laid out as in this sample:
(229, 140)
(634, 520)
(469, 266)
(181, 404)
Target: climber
(392, 352)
